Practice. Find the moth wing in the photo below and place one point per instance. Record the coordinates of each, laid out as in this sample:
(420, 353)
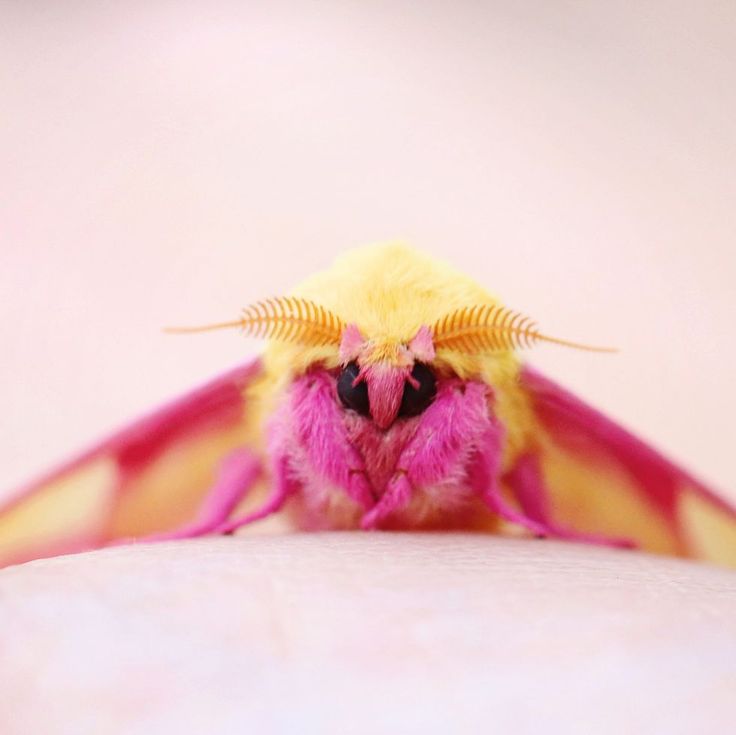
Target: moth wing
(603, 480)
(148, 478)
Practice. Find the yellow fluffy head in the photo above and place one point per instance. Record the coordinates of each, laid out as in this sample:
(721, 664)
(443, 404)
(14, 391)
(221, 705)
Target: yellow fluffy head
(389, 291)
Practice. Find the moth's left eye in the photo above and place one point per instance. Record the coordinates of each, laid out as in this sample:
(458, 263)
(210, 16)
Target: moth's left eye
(415, 400)
(352, 396)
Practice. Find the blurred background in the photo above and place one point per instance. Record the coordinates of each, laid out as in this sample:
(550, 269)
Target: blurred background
(169, 162)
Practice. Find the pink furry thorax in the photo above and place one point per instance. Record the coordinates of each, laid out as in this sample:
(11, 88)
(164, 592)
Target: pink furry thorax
(353, 469)
(351, 472)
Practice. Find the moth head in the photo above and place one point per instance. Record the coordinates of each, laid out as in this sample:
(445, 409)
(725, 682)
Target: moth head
(384, 378)
(396, 318)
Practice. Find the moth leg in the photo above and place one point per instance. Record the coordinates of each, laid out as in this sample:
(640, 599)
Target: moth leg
(318, 423)
(484, 477)
(447, 431)
(397, 495)
(284, 486)
(237, 474)
(525, 480)
(527, 483)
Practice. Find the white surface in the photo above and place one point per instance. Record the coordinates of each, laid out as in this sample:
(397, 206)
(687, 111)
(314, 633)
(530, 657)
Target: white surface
(367, 633)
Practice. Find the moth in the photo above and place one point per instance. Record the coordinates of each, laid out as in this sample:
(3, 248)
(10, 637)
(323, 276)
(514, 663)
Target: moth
(391, 395)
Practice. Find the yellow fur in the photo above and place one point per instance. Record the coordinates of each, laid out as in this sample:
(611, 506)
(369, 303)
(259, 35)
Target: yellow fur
(389, 291)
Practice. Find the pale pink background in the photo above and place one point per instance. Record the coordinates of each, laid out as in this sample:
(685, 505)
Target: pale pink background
(169, 162)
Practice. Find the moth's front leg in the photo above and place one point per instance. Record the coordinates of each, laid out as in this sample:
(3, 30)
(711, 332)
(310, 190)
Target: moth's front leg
(320, 431)
(312, 420)
(283, 487)
(527, 482)
(485, 477)
(237, 474)
(446, 436)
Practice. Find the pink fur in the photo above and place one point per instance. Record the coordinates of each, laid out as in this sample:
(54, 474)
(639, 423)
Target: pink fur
(445, 436)
(421, 346)
(327, 449)
(317, 443)
(351, 344)
(380, 449)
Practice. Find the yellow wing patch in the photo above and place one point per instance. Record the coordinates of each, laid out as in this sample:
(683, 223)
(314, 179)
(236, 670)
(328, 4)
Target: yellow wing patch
(74, 505)
(598, 497)
(710, 531)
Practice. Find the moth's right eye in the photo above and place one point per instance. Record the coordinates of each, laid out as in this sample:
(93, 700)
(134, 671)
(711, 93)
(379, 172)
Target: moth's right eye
(352, 396)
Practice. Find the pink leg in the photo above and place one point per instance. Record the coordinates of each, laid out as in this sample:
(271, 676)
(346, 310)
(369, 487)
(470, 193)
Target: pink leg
(495, 502)
(238, 471)
(525, 480)
(484, 476)
(531, 491)
(319, 427)
(441, 446)
(397, 495)
(283, 488)
(527, 483)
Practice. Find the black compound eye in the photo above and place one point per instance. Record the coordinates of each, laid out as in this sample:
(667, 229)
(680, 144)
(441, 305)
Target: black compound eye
(416, 400)
(352, 396)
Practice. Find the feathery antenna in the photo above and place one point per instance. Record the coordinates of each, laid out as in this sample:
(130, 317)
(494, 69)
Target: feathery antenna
(284, 318)
(493, 328)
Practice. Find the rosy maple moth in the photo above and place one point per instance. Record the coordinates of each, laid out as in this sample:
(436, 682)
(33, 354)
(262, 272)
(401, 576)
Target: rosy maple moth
(391, 395)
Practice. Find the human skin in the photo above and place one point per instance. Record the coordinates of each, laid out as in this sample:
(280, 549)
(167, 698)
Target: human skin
(366, 632)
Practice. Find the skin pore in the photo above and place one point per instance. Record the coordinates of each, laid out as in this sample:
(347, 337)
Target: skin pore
(366, 632)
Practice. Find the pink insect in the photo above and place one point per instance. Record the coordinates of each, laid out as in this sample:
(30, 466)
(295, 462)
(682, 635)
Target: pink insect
(391, 395)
